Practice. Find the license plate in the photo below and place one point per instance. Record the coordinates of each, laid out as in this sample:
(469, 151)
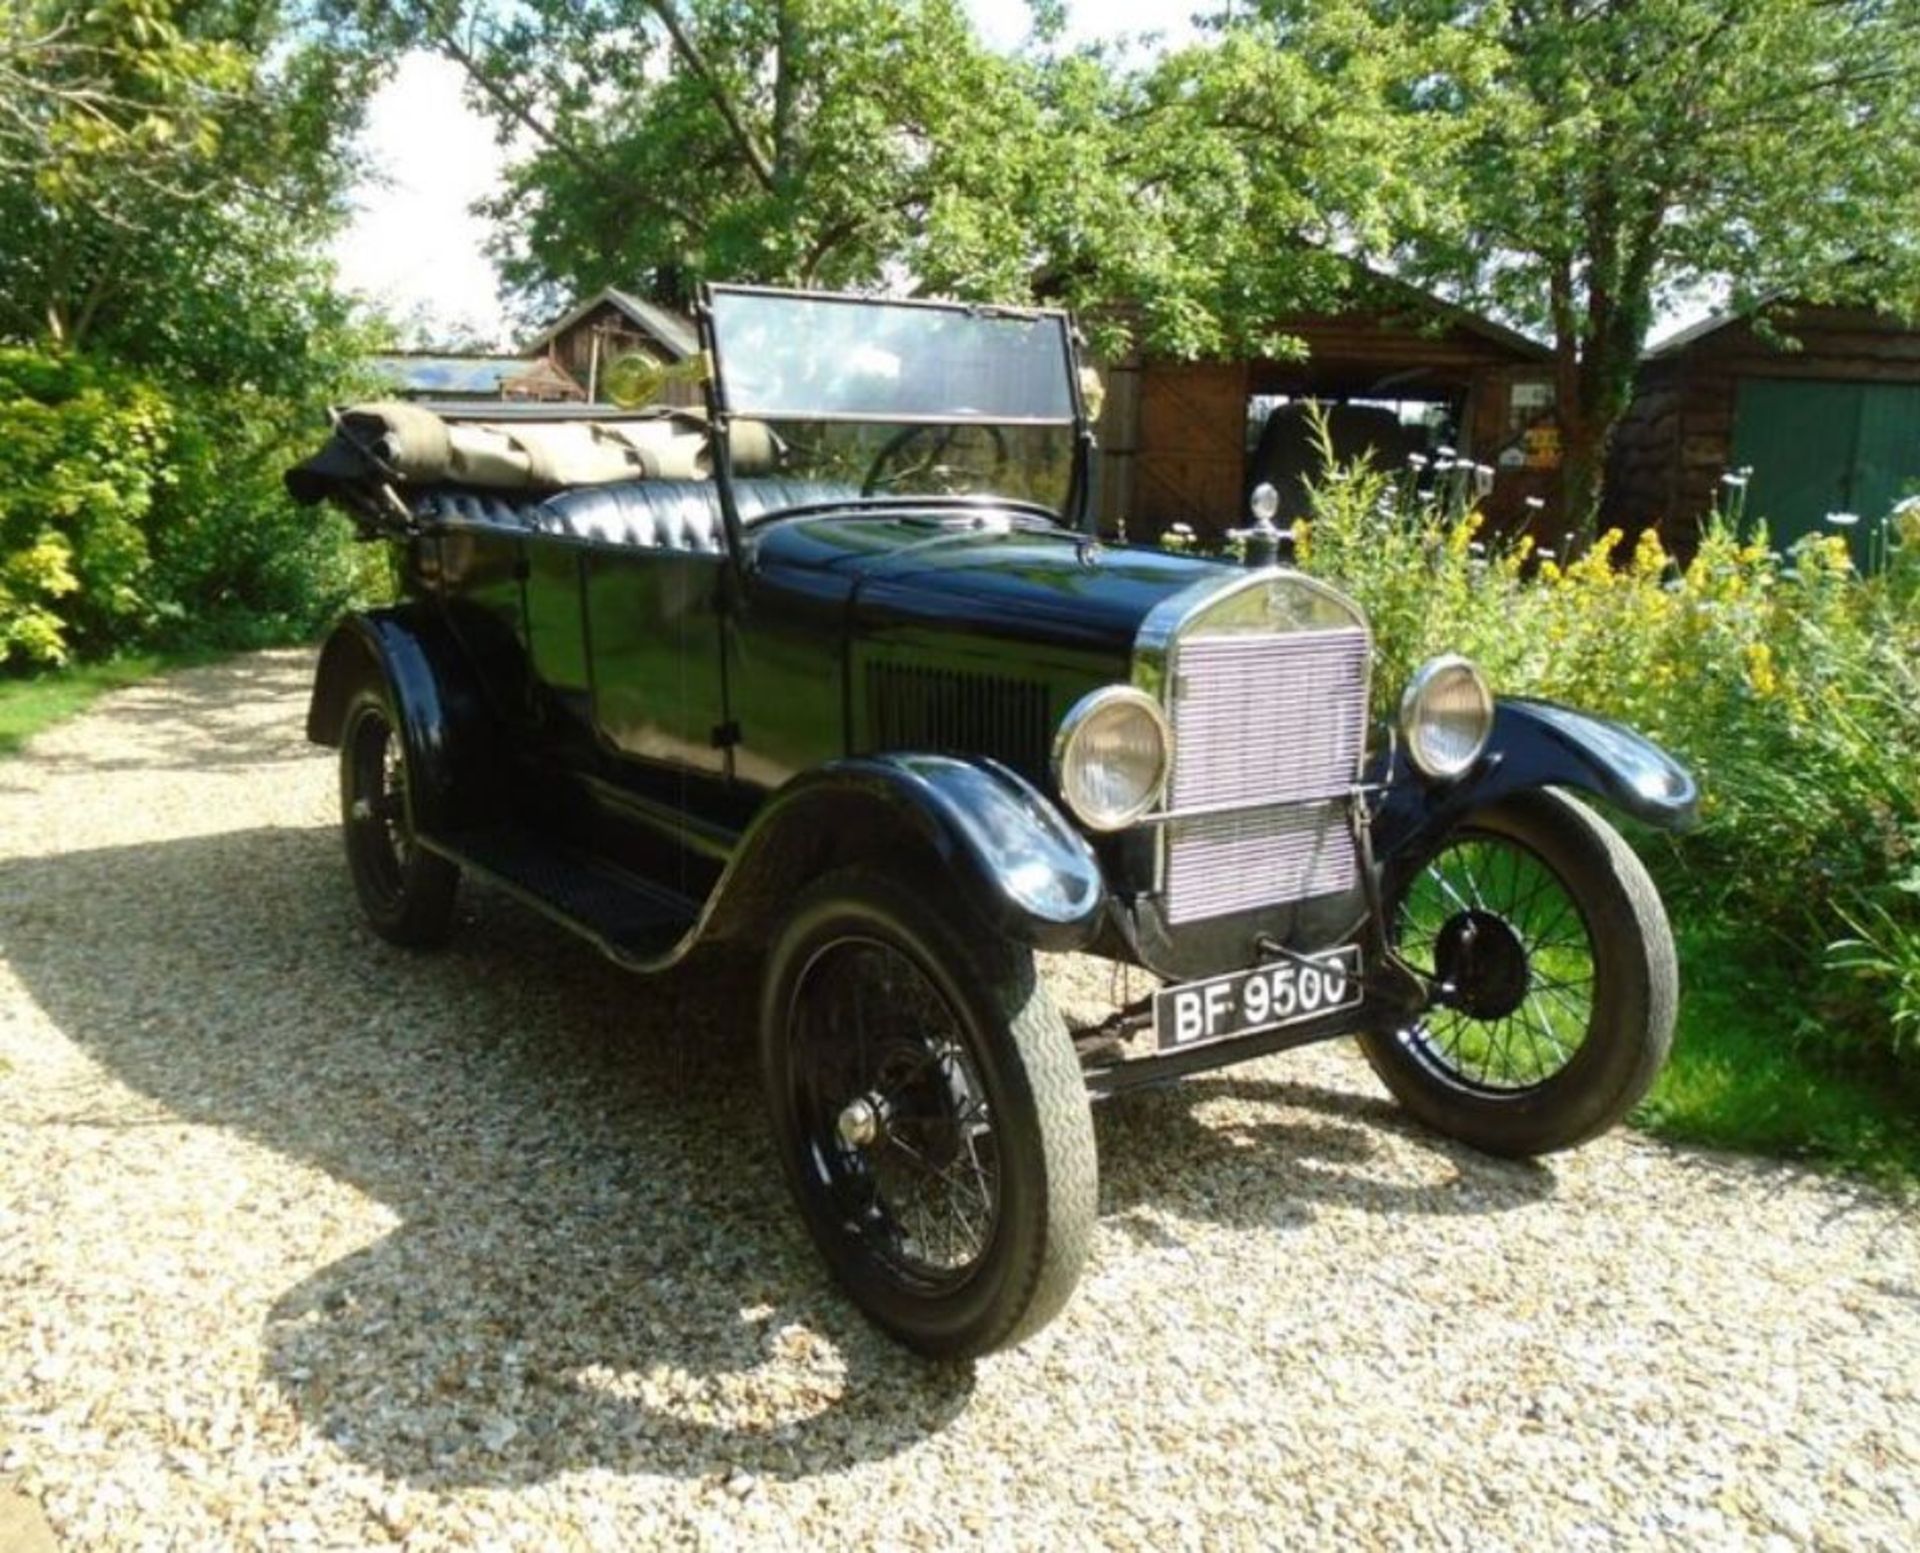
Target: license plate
(1265, 998)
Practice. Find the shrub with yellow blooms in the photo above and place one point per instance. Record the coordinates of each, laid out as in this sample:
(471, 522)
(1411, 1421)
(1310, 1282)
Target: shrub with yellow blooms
(1788, 682)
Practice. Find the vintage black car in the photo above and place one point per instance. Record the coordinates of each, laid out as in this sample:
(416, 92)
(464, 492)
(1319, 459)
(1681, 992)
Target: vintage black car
(834, 675)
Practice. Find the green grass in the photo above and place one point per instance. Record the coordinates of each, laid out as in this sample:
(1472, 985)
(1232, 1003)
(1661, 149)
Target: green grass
(31, 704)
(1743, 1075)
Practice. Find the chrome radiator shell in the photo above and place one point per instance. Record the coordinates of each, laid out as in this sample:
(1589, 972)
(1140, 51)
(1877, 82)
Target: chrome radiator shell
(1264, 678)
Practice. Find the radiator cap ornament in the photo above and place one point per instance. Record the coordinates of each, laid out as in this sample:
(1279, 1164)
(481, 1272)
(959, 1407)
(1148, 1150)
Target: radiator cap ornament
(1261, 545)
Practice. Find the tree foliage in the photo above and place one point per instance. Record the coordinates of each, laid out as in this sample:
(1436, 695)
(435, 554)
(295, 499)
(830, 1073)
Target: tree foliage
(1608, 159)
(1572, 165)
(169, 331)
(187, 161)
(878, 143)
(119, 84)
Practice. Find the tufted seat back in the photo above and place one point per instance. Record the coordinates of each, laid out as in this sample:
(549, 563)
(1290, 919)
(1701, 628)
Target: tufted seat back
(679, 515)
(640, 514)
(671, 514)
(496, 509)
(759, 498)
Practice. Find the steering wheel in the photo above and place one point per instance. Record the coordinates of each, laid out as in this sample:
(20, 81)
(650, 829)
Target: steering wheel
(944, 439)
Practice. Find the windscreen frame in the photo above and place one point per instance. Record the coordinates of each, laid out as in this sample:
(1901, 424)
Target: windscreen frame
(1073, 411)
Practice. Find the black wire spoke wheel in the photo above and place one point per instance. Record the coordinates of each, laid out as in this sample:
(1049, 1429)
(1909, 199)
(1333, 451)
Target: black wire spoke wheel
(1552, 979)
(1510, 956)
(929, 1111)
(899, 1130)
(377, 804)
(405, 891)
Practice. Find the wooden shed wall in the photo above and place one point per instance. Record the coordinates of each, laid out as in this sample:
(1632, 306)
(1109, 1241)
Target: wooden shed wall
(1191, 443)
(618, 335)
(1677, 440)
(1173, 435)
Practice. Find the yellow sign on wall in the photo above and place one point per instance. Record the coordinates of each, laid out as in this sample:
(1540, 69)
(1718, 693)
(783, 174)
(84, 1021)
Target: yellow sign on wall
(1542, 444)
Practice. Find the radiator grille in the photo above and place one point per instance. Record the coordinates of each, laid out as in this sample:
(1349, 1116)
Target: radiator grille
(1272, 727)
(1221, 863)
(951, 712)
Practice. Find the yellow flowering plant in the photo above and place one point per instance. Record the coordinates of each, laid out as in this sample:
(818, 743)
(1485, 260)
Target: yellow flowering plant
(1787, 681)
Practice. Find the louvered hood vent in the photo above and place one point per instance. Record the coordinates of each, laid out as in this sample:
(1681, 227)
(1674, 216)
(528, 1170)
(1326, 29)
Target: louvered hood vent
(953, 712)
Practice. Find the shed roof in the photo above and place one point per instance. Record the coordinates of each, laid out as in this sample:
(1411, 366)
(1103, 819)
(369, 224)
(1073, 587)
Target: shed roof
(1683, 339)
(450, 373)
(1782, 306)
(544, 379)
(674, 333)
(1490, 329)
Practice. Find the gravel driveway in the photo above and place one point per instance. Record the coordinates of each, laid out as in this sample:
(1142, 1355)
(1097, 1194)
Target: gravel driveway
(306, 1240)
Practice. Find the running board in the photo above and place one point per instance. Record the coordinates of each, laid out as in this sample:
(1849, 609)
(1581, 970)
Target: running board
(633, 921)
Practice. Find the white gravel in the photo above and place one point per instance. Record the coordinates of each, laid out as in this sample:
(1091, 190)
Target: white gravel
(308, 1241)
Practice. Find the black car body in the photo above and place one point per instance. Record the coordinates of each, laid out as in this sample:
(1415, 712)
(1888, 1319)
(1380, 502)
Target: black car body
(705, 680)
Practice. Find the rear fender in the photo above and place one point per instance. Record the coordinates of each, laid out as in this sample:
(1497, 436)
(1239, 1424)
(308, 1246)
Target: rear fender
(1533, 744)
(1012, 858)
(444, 722)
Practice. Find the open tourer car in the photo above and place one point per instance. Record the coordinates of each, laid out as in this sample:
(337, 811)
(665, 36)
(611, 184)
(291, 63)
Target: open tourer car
(834, 675)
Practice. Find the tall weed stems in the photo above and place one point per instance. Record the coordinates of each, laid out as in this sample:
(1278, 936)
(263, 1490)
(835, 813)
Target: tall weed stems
(1789, 683)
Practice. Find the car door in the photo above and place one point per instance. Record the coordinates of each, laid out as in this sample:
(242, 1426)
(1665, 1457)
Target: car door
(653, 632)
(652, 574)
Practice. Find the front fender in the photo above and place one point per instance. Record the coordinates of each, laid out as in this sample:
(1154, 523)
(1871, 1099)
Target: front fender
(1011, 856)
(1533, 744)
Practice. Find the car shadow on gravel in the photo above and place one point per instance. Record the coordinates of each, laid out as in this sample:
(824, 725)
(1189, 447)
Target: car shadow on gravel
(1287, 1148)
(595, 1264)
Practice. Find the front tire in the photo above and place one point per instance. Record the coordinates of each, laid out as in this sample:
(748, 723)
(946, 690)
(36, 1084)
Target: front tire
(1559, 976)
(930, 1115)
(405, 891)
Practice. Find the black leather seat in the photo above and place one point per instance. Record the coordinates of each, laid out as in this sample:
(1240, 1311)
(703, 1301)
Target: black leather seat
(674, 514)
(498, 509)
(769, 494)
(639, 514)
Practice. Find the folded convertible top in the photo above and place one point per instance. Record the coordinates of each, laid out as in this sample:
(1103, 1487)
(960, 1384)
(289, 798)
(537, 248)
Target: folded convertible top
(395, 445)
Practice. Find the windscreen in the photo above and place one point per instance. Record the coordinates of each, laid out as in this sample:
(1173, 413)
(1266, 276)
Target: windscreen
(805, 358)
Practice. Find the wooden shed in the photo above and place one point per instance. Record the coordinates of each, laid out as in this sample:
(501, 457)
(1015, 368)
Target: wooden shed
(1402, 372)
(592, 335)
(1820, 404)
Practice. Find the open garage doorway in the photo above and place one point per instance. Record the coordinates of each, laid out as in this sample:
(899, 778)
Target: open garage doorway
(1284, 435)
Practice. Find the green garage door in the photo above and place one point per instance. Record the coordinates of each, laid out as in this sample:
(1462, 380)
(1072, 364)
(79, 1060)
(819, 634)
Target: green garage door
(1817, 448)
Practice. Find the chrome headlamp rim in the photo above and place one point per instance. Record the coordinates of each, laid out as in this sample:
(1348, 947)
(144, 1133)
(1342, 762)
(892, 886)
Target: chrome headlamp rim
(1077, 718)
(1411, 704)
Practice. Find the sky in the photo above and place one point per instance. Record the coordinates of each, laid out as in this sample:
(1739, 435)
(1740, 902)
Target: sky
(415, 246)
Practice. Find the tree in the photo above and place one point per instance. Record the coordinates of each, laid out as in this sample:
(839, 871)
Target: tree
(879, 144)
(169, 329)
(1610, 157)
(117, 81)
(168, 176)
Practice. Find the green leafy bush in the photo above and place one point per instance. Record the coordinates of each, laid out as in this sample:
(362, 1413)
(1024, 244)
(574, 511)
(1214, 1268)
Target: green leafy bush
(235, 563)
(85, 464)
(137, 515)
(1790, 684)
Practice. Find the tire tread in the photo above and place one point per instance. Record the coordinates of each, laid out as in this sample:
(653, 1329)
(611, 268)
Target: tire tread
(1005, 979)
(1567, 1117)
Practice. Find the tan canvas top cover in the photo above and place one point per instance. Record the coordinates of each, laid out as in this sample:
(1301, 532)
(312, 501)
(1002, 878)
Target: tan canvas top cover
(424, 448)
